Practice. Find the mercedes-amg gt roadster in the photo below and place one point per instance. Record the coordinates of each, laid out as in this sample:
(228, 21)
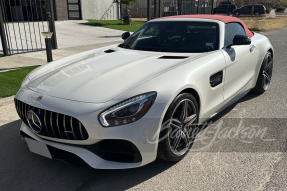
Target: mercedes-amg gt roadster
(124, 105)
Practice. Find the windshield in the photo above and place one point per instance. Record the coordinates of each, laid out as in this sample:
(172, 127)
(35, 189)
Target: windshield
(175, 36)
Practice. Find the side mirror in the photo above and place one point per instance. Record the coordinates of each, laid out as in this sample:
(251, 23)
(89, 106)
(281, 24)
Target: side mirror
(126, 35)
(240, 40)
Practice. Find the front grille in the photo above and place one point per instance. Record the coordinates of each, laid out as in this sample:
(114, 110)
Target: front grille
(54, 125)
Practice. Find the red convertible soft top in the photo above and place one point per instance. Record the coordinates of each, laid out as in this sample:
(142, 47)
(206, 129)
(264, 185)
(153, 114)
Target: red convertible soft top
(225, 19)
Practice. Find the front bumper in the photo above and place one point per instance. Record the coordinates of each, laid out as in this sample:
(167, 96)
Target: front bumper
(143, 134)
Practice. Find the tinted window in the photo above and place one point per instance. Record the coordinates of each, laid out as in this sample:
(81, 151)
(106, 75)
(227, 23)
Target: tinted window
(171, 36)
(232, 29)
(258, 6)
(247, 7)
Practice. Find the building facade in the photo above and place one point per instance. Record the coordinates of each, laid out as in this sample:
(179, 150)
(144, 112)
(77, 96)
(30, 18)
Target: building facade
(33, 10)
(86, 9)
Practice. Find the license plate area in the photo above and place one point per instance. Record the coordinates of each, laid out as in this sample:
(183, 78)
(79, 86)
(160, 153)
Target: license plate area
(38, 148)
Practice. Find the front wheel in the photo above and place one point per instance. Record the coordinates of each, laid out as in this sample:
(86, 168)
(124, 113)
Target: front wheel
(176, 136)
(265, 74)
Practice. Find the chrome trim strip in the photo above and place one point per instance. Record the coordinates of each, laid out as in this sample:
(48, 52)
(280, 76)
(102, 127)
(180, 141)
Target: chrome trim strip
(51, 123)
(71, 123)
(64, 123)
(80, 127)
(58, 125)
(45, 123)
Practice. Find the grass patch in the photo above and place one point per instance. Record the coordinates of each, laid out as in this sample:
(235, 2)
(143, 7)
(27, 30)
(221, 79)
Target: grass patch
(115, 24)
(10, 81)
(264, 23)
(1, 55)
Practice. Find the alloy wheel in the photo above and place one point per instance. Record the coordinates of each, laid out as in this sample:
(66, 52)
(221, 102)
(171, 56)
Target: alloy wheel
(267, 72)
(184, 117)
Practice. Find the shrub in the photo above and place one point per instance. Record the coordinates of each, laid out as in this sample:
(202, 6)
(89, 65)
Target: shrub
(280, 9)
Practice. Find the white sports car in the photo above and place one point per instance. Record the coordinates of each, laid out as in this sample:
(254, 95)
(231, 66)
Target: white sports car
(122, 106)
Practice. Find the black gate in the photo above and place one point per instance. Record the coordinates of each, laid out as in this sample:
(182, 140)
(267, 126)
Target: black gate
(21, 24)
(143, 10)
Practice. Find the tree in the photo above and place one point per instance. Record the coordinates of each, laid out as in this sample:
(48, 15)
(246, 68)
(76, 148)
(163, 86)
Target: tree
(253, 2)
(126, 15)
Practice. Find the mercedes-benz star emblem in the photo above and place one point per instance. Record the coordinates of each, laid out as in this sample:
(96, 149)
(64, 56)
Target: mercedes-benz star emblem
(34, 121)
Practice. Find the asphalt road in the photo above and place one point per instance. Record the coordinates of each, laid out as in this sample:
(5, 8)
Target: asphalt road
(233, 163)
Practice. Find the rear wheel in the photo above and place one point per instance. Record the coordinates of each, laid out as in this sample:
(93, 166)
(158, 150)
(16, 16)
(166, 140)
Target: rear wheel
(237, 13)
(265, 74)
(176, 136)
(257, 13)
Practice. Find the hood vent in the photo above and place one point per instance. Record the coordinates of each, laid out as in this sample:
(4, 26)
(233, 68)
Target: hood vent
(173, 57)
(109, 51)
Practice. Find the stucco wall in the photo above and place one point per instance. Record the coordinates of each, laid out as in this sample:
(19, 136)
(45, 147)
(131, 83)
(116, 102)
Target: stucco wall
(100, 9)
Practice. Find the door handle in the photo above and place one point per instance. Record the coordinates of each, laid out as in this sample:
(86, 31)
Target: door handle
(252, 48)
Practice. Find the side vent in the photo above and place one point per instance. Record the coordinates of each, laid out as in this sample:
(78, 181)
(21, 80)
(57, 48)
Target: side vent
(216, 79)
(109, 51)
(173, 57)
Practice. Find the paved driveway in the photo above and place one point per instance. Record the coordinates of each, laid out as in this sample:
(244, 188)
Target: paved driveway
(69, 34)
(229, 164)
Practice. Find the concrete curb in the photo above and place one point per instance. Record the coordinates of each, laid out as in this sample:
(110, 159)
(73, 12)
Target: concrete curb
(6, 101)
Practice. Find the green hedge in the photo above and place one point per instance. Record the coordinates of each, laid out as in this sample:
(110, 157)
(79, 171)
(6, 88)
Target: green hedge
(280, 9)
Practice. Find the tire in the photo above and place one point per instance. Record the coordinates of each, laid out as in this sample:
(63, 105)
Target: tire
(236, 13)
(265, 74)
(169, 148)
(257, 13)
(228, 13)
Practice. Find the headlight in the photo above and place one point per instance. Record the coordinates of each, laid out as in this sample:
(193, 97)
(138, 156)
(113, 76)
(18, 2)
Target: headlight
(127, 111)
(25, 81)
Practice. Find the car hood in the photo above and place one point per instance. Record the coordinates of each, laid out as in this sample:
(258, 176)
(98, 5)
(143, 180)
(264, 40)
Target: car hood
(101, 76)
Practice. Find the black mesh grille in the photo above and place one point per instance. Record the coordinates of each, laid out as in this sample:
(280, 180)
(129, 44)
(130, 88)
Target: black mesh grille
(116, 150)
(54, 125)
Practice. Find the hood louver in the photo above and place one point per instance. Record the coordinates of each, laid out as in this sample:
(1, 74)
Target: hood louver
(109, 51)
(173, 57)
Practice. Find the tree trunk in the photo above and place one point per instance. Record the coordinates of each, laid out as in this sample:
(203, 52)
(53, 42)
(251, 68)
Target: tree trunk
(127, 16)
(253, 7)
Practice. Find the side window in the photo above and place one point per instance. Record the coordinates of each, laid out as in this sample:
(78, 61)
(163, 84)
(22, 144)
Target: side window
(232, 29)
(151, 32)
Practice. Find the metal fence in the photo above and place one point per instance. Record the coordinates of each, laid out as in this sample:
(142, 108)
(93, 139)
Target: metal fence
(21, 24)
(143, 10)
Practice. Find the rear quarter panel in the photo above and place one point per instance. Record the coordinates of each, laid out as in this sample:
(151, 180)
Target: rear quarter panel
(263, 45)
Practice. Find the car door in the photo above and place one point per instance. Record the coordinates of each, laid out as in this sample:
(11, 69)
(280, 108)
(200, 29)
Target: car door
(248, 10)
(245, 10)
(219, 9)
(224, 9)
(240, 62)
